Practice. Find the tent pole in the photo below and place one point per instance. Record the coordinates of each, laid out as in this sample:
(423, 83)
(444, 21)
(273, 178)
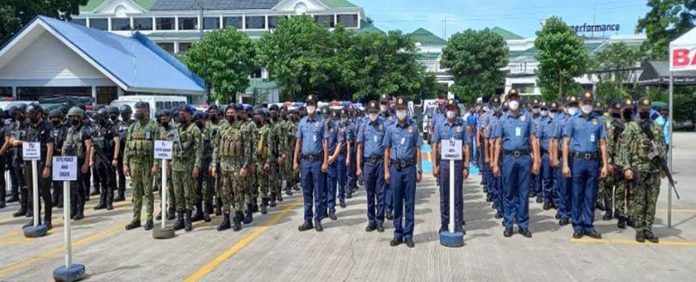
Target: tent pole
(671, 148)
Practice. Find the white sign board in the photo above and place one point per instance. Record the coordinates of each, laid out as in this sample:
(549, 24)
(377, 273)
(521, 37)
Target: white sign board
(451, 150)
(31, 151)
(65, 168)
(163, 150)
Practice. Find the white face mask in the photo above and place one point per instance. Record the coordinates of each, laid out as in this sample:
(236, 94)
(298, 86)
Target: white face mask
(514, 105)
(344, 120)
(383, 108)
(544, 113)
(586, 109)
(485, 109)
(535, 110)
(373, 117)
(451, 114)
(572, 111)
(552, 115)
(401, 114)
(311, 109)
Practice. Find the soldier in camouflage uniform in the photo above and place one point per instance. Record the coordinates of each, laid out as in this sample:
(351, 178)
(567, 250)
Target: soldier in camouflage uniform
(186, 162)
(139, 163)
(277, 147)
(286, 167)
(165, 130)
(250, 131)
(639, 141)
(293, 178)
(615, 126)
(210, 135)
(263, 159)
(78, 142)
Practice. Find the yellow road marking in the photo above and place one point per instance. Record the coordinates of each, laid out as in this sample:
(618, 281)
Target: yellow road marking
(633, 242)
(215, 263)
(56, 251)
(14, 238)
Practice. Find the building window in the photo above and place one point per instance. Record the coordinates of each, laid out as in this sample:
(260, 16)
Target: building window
(79, 21)
(184, 46)
(211, 23)
(326, 20)
(255, 22)
(165, 23)
(100, 24)
(41, 93)
(142, 23)
(106, 94)
(257, 73)
(348, 20)
(5, 91)
(120, 24)
(274, 20)
(235, 22)
(188, 23)
(167, 46)
(524, 88)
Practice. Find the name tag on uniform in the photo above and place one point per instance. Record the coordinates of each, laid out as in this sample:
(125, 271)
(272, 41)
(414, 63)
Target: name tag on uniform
(315, 137)
(375, 137)
(403, 140)
(518, 131)
(147, 134)
(592, 137)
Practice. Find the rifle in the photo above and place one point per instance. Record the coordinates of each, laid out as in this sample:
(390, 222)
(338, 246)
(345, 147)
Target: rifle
(656, 153)
(175, 138)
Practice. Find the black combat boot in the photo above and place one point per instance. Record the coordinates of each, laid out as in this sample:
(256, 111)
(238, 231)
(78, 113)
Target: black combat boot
(237, 220)
(47, 221)
(225, 224)
(264, 205)
(121, 197)
(248, 214)
(198, 216)
(622, 222)
(159, 216)
(206, 214)
(179, 224)
(254, 205)
(187, 221)
(149, 224)
(630, 222)
(2, 197)
(80, 214)
(218, 206)
(135, 223)
(608, 215)
(650, 236)
(101, 205)
(171, 213)
(22, 204)
(272, 202)
(279, 196)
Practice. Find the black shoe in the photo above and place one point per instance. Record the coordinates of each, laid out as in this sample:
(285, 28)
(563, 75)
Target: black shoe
(13, 199)
(547, 206)
(371, 227)
(171, 214)
(134, 224)
(248, 216)
(120, 198)
(489, 198)
(630, 222)
(558, 216)
(380, 228)
(29, 213)
(526, 233)
(305, 226)
(539, 200)
(507, 233)
(149, 224)
(640, 237)
(264, 204)
(94, 193)
(651, 237)
(608, 216)
(254, 206)
(395, 242)
(109, 206)
(279, 197)
(332, 216)
(225, 224)
(288, 192)
(593, 234)
(237, 221)
(272, 202)
(325, 215)
(563, 222)
(206, 215)
(443, 228)
(187, 221)
(409, 243)
(349, 195)
(389, 215)
(100, 206)
(49, 226)
(179, 224)
(20, 212)
(318, 227)
(79, 215)
(459, 228)
(578, 234)
(600, 207)
(198, 216)
(622, 223)
(159, 216)
(532, 195)
(342, 204)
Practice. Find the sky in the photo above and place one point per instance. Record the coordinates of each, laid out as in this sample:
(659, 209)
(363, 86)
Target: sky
(522, 17)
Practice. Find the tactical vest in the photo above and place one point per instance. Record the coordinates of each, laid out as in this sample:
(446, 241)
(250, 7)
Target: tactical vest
(57, 135)
(141, 141)
(231, 142)
(262, 150)
(186, 139)
(73, 144)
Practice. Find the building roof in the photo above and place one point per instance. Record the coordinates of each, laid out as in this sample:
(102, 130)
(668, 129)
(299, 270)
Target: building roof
(134, 63)
(657, 73)
(338, 3)
(425, 37)
(506, 34)
(368, 27)
(188, 5)
(93, 4)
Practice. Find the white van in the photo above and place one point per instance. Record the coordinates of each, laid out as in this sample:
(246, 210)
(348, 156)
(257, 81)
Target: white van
(156, 102)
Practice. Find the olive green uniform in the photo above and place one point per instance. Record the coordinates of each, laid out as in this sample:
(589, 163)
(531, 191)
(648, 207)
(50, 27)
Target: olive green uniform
(167, 135)
(138, 154)
(185, 157)
(250, 134)
(230, 152)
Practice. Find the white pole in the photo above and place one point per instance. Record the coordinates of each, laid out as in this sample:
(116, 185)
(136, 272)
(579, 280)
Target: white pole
(35, 192)
(164, 193)
(451, 196)
(66, 220)
(671, 113)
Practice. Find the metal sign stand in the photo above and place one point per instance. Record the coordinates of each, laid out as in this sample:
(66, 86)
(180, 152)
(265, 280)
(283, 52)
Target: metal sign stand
(69, 271)
(451, 238)
(163, 231)
(35, 230)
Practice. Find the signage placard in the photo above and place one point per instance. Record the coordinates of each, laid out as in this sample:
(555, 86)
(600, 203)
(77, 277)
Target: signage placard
(65, 168)
(31, 151)
(163, 150)
(451, 150)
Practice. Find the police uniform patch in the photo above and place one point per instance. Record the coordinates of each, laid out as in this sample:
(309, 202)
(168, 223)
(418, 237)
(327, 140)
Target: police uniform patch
(410, 129)
(459, 129)
(594, 121)
(317, 125)
(522, 118)
(646, 102)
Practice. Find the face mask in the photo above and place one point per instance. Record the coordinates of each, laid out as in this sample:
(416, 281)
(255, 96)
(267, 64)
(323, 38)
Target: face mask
(383, 108)
(200, 124)
(572, 111)
(214, 118)
(514, 105)
(373, 117)
(626, 114)
(34, 119)
(258, 122)
(75, 122)
(586, 109)
(103, 121)
(544, 113)
(230, 119)
(165, 123)
(56, 122)
(140, 116)
(311, 109)
(535, 110)
(401, 115)
(644, 114)
(616, 114)
(451, 114)
(552, 114)
(113, 118)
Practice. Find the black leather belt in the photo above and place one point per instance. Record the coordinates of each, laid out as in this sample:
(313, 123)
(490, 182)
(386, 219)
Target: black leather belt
(586, 156)
(374, 159)
(312, 158)
(402, 164)
(516, 154)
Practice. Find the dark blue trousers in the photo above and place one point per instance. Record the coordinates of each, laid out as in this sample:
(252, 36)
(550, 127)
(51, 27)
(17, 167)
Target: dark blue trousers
(546, 175)
(331, 182)
(585, 177)
(516, 173)
(342, 171)
(312, 189)
(373, 176)
(404, 184)
(445, 193)
(565, 186)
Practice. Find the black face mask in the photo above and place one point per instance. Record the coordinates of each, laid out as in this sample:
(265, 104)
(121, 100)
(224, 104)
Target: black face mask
(113, 118)
(627, 114)
(103, 121)
(644, 114)
(615, 114)
(34, 119)
(258, 122)
(214, 118)
(21, 117)
(57, 122)
(75, 122)
(200, 124)
(165, 123)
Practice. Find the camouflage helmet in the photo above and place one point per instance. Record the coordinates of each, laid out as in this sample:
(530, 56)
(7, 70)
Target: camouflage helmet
(75, 111)
(56, 113)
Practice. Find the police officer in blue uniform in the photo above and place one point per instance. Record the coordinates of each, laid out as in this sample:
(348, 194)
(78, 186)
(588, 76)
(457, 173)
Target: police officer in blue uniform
(370, 165)
(311, 159)
(452, 129)
(343, 161)
(565, 185)
(494, 180)
(536, 180)
(515, 135)
(336, 140)
(584, 139)
(389, 120)
(402, 168)
(546, 127)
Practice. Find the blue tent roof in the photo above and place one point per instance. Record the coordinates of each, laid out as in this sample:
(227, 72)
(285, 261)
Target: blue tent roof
(135, 61)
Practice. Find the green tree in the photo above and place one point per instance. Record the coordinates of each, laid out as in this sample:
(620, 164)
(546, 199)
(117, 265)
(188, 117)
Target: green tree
(225, 59)
(615, 63)
(562, 57)
(475, 59)
(666, 20)
(608, 90)
(298, 56)
(431, 89)
(16, 13)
